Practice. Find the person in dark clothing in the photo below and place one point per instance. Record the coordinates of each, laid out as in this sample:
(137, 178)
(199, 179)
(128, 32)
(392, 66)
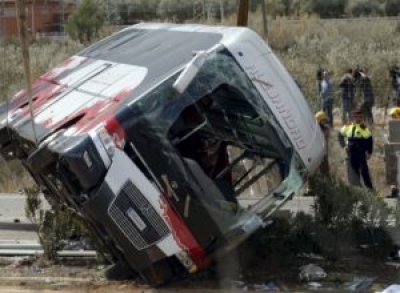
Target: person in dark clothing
(395, 77)
(368, 97)
(394, 192)
(356, 139)
(320, 77)
(347, 86)
(326, 95)
(324, 169)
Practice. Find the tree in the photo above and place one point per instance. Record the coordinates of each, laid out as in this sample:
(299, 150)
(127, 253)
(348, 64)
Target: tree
(86, 21)
(110, 9)
(392, 7)
(275, 8)
(329, 9)
(254, 4)
(133, 11)
(123, 13)
(178, 10)
(364, 8)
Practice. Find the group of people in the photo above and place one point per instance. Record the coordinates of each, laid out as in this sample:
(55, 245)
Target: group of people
(352, 82)
(355, 136)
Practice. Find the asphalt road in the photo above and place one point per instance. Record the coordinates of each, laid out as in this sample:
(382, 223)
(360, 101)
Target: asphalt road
(13, 223)
(15, 226)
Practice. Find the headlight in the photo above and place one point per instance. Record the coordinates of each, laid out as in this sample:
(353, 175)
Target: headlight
(87, 159)
(107, 138)
(107, 141)
(104, 144)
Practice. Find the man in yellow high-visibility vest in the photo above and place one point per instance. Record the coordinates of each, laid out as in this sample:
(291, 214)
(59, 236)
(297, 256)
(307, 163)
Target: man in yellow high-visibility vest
(357, 140)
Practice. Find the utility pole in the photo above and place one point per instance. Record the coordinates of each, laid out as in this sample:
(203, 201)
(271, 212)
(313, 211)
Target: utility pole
(221, 10)
(243, 13)
(206, 9)
(3, 20)
(21, 19)
(33, 27)
(264, 19)
(62, 20)
(108, 13)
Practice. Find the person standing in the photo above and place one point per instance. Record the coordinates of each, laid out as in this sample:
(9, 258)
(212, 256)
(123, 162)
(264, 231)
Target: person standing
(327, 96)
(347, 86)
(324, 169)
(356, 139)
(320, 73)
(322, 121)
(395, 77)
(368, 97)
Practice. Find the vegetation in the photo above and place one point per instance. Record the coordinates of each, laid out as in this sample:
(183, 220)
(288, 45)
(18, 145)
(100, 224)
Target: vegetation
(84, 24)
(131, 11)
(12, 175)
(346, 220)
(58, 227)
(337, 45)
(53, 226)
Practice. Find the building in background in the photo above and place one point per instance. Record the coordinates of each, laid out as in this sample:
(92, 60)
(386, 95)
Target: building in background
(44, 17)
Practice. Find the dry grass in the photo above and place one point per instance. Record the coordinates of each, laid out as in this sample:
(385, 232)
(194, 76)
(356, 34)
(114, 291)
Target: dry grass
(44, 55)
(305, 43)
(338, 45)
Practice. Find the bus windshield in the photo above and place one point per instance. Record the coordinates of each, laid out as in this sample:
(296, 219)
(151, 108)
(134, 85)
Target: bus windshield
(217, 141)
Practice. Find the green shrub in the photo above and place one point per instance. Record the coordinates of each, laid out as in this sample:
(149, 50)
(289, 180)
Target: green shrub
(329, 9)
(397, 28)
(392, 7)
(359, 8)
(348, 216)
(85, 23)
(55, 226)
(344, 218)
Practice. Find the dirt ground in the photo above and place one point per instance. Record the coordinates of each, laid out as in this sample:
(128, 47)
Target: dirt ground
(274, 274)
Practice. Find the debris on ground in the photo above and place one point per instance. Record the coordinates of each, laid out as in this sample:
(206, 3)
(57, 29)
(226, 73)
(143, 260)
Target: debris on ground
(312, 256)
(267, 286)
(360, 284)
(77, 244)
(311, 272)
(314, 285)
(36, 269)
(22, 261)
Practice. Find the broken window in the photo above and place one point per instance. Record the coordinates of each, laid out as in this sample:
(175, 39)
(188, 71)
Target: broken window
(219, 137)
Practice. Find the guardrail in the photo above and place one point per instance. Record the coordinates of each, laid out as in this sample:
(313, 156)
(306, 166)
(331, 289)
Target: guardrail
(33, 248)
(38, 252)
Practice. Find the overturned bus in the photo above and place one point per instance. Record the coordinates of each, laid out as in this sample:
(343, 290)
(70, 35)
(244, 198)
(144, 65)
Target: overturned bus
(173, 142)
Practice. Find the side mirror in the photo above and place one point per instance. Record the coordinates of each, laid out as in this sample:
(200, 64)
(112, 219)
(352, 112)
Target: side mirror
(190, 72)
